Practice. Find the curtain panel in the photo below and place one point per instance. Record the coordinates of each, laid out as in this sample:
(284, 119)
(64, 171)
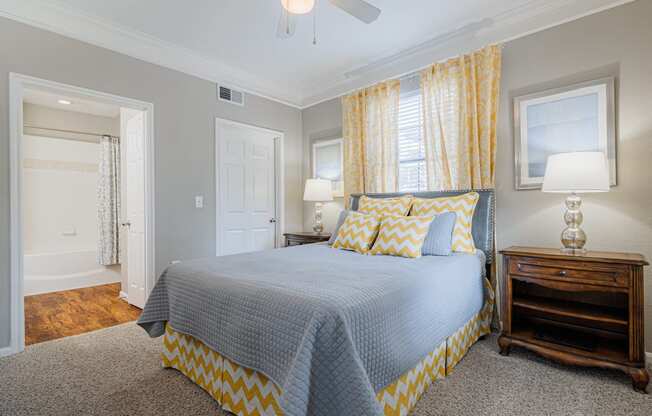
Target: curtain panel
(108, 202)
(459, 104)
(370, 130)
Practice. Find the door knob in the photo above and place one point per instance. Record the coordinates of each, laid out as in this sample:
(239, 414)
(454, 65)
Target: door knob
(126, 224)
(272, 220)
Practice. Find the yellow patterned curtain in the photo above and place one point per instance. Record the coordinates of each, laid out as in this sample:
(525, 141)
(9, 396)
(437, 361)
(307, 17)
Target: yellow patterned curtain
(370, 129)
(460, 102)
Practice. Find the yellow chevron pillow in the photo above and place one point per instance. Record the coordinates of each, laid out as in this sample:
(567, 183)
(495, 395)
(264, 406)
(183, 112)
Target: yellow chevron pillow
(358, 232)
(401, 236)
(385, 206)
(463, 206)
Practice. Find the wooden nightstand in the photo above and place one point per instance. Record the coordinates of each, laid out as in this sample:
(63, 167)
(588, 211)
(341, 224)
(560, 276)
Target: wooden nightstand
(576, 309)
(298, 238)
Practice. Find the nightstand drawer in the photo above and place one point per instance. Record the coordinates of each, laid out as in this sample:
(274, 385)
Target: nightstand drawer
(574, 271)
(299, 238)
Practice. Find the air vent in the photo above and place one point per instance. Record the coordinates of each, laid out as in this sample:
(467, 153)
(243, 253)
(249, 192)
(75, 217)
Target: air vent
(230, 95)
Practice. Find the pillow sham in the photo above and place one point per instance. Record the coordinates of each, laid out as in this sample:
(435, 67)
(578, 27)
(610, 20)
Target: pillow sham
(357, 233)
(385, 206)
(462, 205)
(440, 235)
(338, 224)
(401, 236)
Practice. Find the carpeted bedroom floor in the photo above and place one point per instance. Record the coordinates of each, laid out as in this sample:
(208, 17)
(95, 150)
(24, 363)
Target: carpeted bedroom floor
(116, 371)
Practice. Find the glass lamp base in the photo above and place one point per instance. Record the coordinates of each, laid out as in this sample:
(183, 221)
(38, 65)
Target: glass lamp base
(318, 227)
(573, 238)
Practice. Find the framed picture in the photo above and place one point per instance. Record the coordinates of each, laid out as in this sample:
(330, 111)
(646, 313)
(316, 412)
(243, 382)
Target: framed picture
(328, 163)
(575, 118)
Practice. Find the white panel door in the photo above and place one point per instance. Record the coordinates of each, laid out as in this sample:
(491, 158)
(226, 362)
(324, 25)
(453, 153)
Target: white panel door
(134, 141)
(246, 189)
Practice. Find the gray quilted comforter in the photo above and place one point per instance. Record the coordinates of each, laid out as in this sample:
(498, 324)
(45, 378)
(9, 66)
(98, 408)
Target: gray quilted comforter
(329, 327)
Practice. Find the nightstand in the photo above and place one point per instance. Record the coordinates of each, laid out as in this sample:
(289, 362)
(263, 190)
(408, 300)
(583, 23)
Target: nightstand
(576, 309)
(299, 238)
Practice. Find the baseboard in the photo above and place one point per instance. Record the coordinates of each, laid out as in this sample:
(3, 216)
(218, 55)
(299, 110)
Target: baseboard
(6, 351)
(46, 284)
(123, 295)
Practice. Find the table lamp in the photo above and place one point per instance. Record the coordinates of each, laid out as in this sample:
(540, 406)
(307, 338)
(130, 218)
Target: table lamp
(318, 191)
(575, 173)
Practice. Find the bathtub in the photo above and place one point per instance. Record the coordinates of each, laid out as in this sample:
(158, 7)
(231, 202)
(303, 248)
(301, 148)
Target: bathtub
(51, 272)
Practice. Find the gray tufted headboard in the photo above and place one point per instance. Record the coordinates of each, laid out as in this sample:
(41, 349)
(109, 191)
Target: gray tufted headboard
(483, 217)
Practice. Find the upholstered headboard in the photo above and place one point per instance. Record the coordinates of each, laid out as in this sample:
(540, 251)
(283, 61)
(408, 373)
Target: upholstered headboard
(483, 217)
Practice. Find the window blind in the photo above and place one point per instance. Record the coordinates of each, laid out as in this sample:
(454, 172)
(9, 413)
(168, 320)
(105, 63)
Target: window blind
(412, 165)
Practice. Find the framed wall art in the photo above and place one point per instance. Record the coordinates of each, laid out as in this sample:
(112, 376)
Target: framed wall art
(328, 163)
(574, 118)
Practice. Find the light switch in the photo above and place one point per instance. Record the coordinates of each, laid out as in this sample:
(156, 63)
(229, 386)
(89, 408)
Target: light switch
(199, 201)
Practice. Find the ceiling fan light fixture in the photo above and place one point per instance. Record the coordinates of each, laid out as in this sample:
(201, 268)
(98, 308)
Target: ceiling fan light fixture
(298, 6)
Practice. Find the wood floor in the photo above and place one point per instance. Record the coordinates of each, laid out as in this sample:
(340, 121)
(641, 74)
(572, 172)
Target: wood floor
(72, 312)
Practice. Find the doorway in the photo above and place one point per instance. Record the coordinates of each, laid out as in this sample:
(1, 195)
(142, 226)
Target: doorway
(249, 187)
(100, 243)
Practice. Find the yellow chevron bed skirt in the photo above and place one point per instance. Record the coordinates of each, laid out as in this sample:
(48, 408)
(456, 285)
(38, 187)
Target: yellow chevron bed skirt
(246, 392)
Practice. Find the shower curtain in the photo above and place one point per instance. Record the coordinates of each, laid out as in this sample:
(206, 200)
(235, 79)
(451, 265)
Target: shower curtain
(108, 202)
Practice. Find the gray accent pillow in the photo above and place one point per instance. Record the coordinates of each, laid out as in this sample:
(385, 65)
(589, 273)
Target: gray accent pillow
(439, 239)
(340, 221)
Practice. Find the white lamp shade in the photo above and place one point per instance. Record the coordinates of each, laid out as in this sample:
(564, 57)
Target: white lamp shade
(298, 6)
(318, 190)
(577, 172)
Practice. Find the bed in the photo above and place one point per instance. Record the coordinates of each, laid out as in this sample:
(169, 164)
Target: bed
(312, 330)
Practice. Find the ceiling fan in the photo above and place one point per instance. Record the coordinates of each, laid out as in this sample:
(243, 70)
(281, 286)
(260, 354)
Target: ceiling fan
(359, 9)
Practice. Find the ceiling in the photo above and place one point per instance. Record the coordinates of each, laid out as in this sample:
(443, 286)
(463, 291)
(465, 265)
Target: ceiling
(77, 105)
(234, 41)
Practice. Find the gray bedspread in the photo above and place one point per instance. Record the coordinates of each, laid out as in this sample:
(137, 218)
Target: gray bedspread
(329, 327)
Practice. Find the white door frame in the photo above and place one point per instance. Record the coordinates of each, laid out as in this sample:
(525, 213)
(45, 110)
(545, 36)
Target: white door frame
(279, 181)
(17, 85)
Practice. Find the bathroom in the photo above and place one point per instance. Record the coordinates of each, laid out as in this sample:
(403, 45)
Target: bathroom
(75, 230)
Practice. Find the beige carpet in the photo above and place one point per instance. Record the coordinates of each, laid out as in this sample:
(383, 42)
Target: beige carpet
(116, 371)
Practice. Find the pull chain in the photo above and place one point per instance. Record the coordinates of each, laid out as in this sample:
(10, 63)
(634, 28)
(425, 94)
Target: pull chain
(314, 24)
(287, 22)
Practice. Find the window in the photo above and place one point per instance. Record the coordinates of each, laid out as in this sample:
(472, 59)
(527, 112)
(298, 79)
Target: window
(411, 152)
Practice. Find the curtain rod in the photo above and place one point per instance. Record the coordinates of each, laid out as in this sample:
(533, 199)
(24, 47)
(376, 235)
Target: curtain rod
(85, 133)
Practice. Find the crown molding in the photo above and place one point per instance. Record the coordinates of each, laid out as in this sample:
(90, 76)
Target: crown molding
(60, 19)
(531, 17)
(430, 44)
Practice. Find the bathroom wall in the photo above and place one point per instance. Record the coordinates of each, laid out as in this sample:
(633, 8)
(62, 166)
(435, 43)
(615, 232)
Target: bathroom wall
(59, 118)
(60, 178)
(59, 198)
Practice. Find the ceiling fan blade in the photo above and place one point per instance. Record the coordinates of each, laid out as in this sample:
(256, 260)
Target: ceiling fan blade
(286, 25)
(359, 9)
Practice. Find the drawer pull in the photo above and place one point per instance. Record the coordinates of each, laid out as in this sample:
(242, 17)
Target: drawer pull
(562, 272)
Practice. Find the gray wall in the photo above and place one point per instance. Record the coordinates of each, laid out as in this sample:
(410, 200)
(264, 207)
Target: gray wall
(185, 108)
(614, 42)
(321, 122)
(41, 116)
